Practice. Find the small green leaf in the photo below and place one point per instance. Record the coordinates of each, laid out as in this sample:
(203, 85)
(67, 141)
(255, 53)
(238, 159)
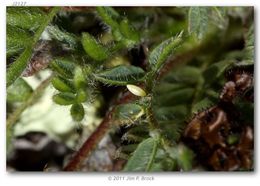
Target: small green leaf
(121, 75)
(216, 70)
(17, 67)
(25, 17)
(203, 104)
(17, 39)
(130, 34)
(186, 75)
(63, 67)
(63, 85)
(183, 155)
(249, 46)
(93, 48)
(64, 98)
(198, 21)
(176, 97)
(143, 157)
(82, 96)
(128, 113)
(160, 54)
(79, 78)
(63, 36)
(19, 91)
(109, 16)
(219, 16)
(77, 111)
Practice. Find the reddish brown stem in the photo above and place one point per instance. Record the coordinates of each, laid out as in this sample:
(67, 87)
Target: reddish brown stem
(96, 136)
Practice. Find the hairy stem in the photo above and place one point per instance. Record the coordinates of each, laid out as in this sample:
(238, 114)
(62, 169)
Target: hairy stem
(90, 144)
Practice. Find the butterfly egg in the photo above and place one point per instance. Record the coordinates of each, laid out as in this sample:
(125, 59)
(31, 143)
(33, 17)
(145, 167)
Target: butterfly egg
(136, 90)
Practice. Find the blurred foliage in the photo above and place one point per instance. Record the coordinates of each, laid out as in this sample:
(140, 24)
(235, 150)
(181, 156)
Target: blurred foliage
(175, 60)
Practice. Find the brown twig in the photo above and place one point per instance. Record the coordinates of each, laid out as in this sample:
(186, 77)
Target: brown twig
(96, 136)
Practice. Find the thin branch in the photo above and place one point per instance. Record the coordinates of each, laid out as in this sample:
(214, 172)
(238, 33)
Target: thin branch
(96, 136)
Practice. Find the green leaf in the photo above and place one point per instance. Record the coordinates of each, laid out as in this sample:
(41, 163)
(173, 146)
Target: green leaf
(160, 54)
(128, 30)
(93, 48)
(64, 98)
(143, 157)
(216, 70)
(17, 39)
(220, 17)
(249, 46)
(121, 75)
(19, 91)
(128, 113)
(63, 67)
(122, 31)
(62, 84)
(130, 34)
(17, 67)
(172, 100)
(203, 104)
(183, 155)
(77, 112)
(82, 96)
(198, 21)
(176, 97)
(63, 36)
(186, 75)
(29, 18)
(109, 16)
(79, 78)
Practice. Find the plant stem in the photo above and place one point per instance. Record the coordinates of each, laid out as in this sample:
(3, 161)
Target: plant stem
(89, 145)
(15, 70)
